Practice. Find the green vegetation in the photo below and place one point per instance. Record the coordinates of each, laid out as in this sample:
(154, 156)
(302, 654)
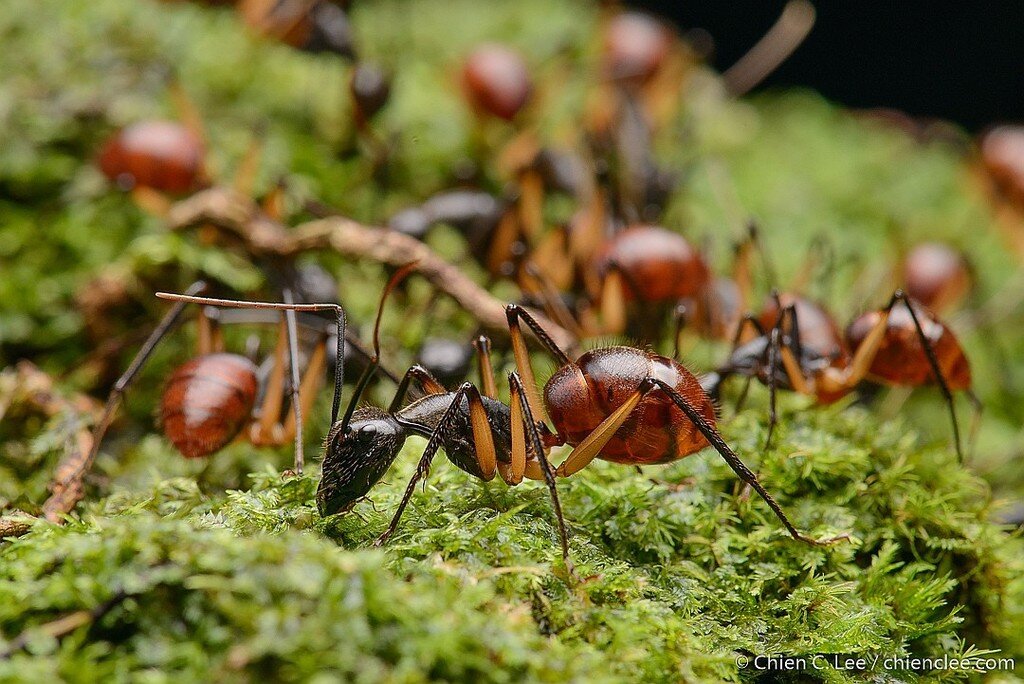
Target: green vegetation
(200, 571)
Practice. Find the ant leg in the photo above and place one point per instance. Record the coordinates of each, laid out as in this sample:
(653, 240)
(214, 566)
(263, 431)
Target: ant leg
(833, 381)
(744, 393)
(819, 254)
(522, 421)
(679, 316)
(754, 243)
(482, 345)
(613, 300)
(187, 108)
(428, 382)
(587, 450)
(309, 386)
(513, 313)
(293, 363)
(773, 362)
(503, 240)
(483, 438)
(933, 361)
(549, 296)
(339, 312)
(778, 351)
(423, 467)
(730, 457)
(551, 261)
(166, 325)
(273, 391)
(209, 335)
(531, 204)
(748, 321)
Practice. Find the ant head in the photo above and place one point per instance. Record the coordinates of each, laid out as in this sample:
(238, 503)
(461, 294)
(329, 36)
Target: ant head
(356, 458)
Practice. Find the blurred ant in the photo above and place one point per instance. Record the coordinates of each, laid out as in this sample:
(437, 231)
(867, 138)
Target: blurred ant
(308, 25)
(212, 398)
(936, 276)
(906, 346)
(156, 158)
(480, 435)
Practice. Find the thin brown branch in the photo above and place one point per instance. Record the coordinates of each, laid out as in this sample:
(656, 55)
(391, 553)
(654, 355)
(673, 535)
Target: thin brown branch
(64, 625)
(15, 525)
(239, 219)
(30, 385)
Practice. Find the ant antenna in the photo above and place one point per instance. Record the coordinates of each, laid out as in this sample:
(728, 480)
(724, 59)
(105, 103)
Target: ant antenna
(774, 47)
(339, 366)
(754, 238)
(371, 367)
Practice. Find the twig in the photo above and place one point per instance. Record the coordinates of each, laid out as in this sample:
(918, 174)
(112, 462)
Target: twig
(240, 219)
(64, 625)
(15, 525)
(37, 389)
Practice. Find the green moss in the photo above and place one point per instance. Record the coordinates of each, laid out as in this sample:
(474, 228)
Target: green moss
(233, 577)
(680, 575)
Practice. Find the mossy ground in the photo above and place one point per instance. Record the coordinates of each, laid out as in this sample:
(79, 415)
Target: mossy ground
(220, 574)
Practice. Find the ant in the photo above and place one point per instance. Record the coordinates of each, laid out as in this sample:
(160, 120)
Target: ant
(165, 156)
(156, 158)
(906, 346)
(624, 405)
(480, 435)
(937, 276)
(212, 398)
(308, 25)
(496, 81)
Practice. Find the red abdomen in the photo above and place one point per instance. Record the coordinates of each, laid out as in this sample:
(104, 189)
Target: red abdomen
(580, 395)
(901, 359)
(207, 402)
(161, 155)
(658, 265)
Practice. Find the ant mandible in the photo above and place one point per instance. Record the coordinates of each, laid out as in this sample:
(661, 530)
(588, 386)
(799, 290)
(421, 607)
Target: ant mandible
(212, 398)
(887, 346)
(480, 435)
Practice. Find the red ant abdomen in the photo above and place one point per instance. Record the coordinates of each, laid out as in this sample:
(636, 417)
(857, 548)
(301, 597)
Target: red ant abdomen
(162, 155)
(658, 264)
(901, 360)
(207, 401)
(582, 394)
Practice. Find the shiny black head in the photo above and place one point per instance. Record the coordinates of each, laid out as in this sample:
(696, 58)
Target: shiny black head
(356, 459)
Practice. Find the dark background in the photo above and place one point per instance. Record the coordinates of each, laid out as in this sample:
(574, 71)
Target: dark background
(963, 62)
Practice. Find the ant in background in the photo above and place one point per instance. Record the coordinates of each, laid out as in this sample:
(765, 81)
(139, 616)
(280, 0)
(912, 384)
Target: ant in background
(217, 396)
(307, 25)
(156, 159)
(905, 346)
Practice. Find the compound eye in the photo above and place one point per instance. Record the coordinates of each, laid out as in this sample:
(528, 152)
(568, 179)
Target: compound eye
(369, 429)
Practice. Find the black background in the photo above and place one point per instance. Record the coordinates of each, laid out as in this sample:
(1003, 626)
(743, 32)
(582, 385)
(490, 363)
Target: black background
(963, 62)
